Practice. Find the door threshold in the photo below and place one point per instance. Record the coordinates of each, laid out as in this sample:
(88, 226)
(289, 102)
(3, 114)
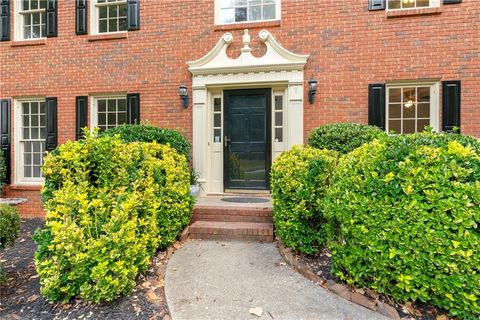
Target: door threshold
(247, 191)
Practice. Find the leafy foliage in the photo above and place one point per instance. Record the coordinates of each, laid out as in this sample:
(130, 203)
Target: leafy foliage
(110, 205)
(148, 133)
(3, 171)
(299, 180)
(344, 137)
(404, 216)
(9, 225)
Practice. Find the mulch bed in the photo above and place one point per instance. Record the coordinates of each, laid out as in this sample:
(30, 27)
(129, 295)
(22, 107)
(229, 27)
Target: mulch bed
(20, 297)
(321, 264)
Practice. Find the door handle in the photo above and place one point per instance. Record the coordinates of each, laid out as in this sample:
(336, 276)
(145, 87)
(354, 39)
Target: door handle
(226, 140)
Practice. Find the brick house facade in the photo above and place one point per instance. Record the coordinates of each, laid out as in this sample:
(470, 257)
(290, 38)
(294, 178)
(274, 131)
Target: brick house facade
(366, 62)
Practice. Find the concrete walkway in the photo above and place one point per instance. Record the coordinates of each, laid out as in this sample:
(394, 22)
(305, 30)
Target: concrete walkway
(223, 280)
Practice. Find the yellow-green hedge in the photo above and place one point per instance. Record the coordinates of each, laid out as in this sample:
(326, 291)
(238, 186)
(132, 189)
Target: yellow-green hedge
(110, 205)
(299, 180)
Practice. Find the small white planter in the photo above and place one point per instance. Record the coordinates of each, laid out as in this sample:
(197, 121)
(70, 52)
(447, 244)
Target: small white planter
(195, 190)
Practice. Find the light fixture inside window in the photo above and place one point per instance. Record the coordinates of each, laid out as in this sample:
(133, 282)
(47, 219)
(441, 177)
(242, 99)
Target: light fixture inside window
(409, 104)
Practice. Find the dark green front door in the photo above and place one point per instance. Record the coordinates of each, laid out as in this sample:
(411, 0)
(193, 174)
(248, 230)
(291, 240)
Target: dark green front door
(247, 144)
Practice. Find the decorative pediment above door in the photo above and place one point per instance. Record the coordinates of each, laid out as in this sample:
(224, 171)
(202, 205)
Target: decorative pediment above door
(276, 58)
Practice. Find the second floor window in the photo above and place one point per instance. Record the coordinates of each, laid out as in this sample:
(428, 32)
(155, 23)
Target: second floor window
(234, 11)
(111, 15)
(412, 4)
(34, 17)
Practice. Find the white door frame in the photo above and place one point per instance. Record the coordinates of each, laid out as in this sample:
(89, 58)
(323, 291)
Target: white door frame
(278, 69)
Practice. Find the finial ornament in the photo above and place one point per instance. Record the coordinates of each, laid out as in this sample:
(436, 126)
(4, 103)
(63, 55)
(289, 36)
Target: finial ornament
(246, 41)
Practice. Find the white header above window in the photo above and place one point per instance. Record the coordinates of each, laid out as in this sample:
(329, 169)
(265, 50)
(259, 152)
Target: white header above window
(242, 11)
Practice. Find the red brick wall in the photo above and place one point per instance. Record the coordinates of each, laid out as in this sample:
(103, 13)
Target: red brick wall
(350, 47)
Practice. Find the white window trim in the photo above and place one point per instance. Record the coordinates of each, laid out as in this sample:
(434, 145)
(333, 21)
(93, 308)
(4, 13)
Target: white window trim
(218, 14)
(433, 4)
(94, 108)
(18, 22)
(434, 101)
(94, 17)
(18, 177)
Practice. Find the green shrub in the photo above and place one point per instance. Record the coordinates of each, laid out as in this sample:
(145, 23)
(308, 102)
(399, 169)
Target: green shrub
(344, 137)
(405, 217)
(299, 179)
(148, 133)
(3, 171)
(9, 225)
(110, 205)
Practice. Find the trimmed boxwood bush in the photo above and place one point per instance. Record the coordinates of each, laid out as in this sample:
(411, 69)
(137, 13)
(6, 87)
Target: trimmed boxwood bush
(299, 179)
(405, 216)
(110, 205)
(344, 137)
(9, 225)
(148, 133)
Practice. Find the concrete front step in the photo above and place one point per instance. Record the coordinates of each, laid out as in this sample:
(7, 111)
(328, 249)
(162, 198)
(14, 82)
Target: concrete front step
(221, 230)
(232, 214)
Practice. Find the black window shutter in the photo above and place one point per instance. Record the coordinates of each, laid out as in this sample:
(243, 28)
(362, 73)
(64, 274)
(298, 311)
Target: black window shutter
(4, 20)
(376, 105)
(374, 5)
(52, 18)
(451, 1)
(133, 14)
(133, 108)
(81, 17)
(81, 116)
(451, 93)
(5, 135)
(51, 123)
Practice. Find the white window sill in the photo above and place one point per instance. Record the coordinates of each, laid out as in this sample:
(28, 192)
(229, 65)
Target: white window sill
(413, 12)
(29, 42)
(246, 25)
(108, 36)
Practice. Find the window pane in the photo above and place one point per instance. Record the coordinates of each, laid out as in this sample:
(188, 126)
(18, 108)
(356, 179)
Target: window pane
(278, 134)
(42, 121)
(43, 133)
(103, 26)
(269, 12)
(421, 124)
(254, 13)
(43, 4)
(112, 105)
(227, 4)
(102, 119)
(122, 24)
(409, 95)
(26, 133)
(34, 121)
(122, 11)
(102, 12)
(395, 95)
(34, 4)
(27, 156)
(240, 14)
(278, 102)
(36, 32)
(394, 4)
(112, 119)
(423, 94)
(408, 4)
(27, 171)
(217, 106)
(122, 118)
(27, 32)
(112, 25)
(26, 121)
(217, 120)
(239, 3)
(101, 105)
(34, 134)
(395, 110)
(36, 18)
(409, 126)
(278, 119)
(25, 5)
(122, 105)
(112, 11)
(217, 136)
(228, 15)
(423, 3)
(37, 172)
(423, 110)
(395, 126)
(409, 111)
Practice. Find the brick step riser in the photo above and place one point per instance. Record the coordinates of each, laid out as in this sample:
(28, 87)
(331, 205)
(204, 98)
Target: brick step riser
(233, 212)
(223, 237)
(221, 231)
(230, 218)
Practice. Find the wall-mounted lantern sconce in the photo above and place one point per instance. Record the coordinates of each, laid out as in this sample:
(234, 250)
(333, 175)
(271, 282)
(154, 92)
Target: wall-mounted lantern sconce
(183, 93)
(312, 89)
